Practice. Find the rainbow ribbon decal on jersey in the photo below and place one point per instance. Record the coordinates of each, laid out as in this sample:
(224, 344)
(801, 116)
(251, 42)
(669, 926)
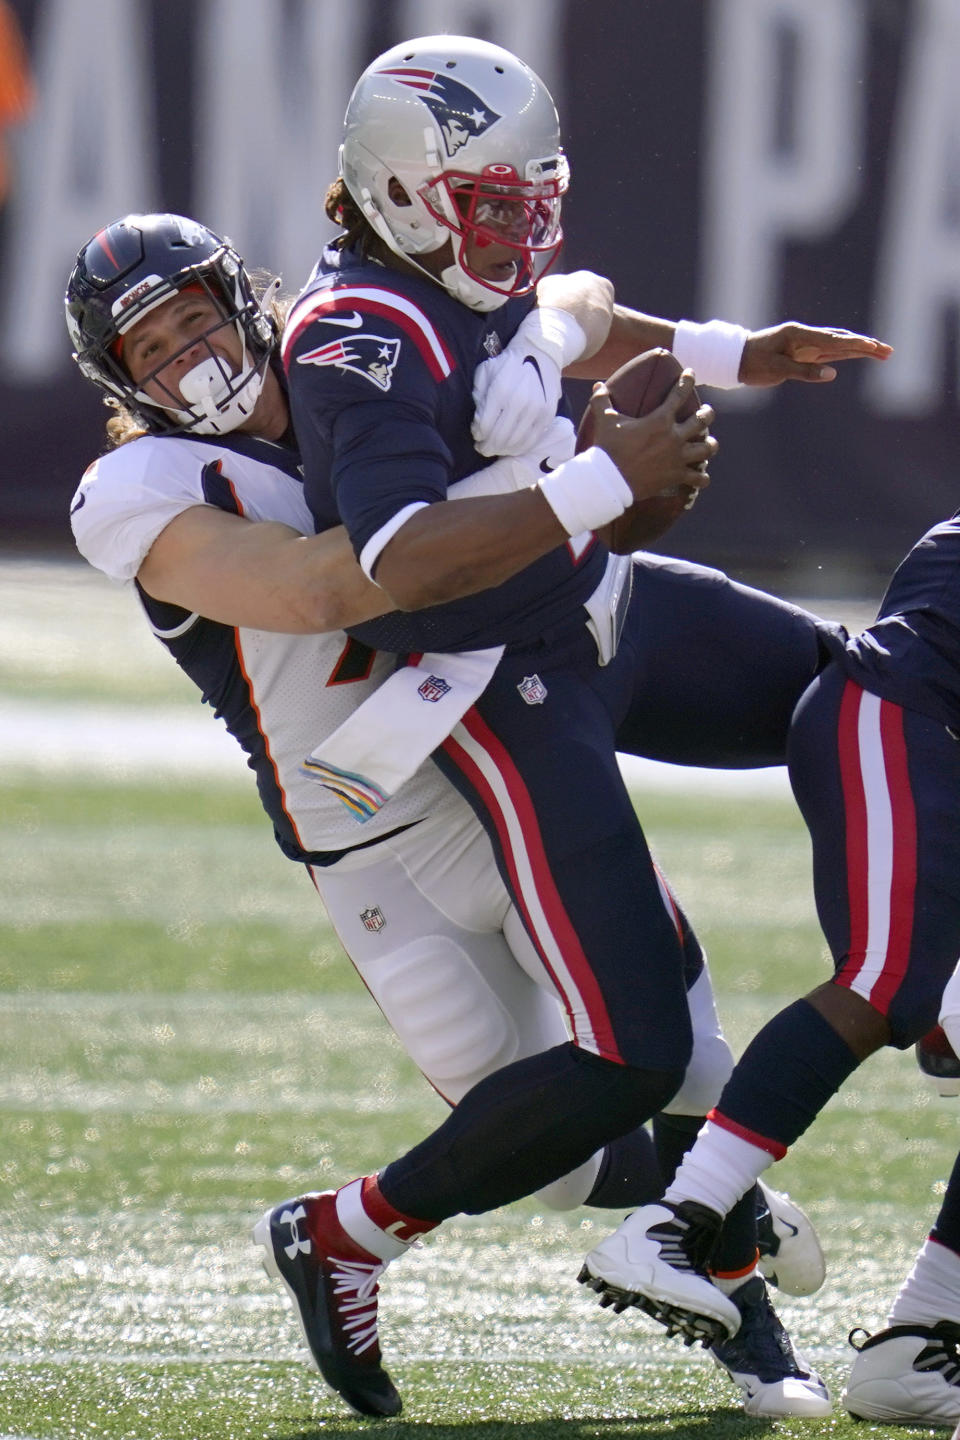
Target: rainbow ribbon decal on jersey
(362, 798)
(390, 735)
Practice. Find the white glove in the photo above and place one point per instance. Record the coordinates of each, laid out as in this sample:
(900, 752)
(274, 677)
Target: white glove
(520, 472)
(516, 393)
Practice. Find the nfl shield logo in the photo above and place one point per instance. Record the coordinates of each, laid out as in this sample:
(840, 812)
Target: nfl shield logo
(373, 918)
(433, 688)
(532, 689)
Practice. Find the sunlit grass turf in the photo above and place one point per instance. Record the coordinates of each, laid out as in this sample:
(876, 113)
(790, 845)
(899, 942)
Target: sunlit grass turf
(183, 1043)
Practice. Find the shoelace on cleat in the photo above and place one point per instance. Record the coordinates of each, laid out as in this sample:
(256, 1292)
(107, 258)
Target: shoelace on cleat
(670, 1236)
(354, 1292)
(943, 1355)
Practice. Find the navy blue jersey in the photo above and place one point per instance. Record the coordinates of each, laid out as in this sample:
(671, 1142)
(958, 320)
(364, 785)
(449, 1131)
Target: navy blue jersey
(911, 653)
(380, 367)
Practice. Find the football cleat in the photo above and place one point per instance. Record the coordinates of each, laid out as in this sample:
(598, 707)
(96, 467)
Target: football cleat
(939, 1062)
(332, 1283)
(907, 1375)
(656, 1261)
(790, 1254)
(775, 1378)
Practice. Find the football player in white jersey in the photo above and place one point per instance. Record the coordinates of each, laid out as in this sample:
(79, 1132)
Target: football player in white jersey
(200, 506)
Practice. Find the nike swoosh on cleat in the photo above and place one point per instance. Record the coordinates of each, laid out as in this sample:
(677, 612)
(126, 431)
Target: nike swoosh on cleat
(350, 322)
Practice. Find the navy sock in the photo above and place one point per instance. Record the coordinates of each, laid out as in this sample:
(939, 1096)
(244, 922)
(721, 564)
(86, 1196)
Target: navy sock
(629, 1173)
(786, 1075)
(673, 1135)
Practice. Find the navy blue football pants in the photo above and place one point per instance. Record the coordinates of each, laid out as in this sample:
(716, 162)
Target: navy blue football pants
(879, 789)
(708, 673)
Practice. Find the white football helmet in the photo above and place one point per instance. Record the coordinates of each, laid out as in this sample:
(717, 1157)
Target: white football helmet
(472, 136)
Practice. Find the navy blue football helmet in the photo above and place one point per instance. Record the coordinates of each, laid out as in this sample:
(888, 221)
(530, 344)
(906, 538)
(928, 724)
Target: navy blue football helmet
(137, 263)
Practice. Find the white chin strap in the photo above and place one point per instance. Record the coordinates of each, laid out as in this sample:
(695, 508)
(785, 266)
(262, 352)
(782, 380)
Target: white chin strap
(471, 293)
(206, 389)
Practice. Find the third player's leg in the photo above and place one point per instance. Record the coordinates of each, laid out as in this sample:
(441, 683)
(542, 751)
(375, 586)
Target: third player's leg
(719, 666)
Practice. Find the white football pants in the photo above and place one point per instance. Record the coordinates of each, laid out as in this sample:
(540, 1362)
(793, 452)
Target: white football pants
(429, 926)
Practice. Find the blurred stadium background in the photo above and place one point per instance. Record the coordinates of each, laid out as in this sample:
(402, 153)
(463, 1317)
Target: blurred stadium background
(180, 1038)
(750, 159)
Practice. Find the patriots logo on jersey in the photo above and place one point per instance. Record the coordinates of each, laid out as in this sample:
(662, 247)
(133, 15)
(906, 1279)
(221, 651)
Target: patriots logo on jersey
(372, 356)
(457, 109)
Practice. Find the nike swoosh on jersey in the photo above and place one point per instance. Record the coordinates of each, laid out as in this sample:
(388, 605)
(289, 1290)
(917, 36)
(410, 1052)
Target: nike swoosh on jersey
(80, 501)
(350, 322)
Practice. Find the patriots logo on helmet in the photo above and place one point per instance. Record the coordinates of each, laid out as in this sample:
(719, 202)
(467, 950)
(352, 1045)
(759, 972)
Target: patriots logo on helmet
(372, 356)
(458, 110)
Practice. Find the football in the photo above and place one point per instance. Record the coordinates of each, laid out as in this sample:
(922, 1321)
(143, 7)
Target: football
(636, 388)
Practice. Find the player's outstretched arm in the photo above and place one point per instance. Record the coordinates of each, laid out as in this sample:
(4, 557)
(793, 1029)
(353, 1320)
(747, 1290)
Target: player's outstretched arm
(725, 355)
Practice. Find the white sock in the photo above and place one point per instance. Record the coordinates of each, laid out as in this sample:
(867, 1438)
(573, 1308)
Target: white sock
(718, 1169)
(931, 1291)
(365, 1232)
(729, 1283)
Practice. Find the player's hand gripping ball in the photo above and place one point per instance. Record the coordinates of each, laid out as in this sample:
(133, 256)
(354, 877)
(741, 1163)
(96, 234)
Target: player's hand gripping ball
(635, 389)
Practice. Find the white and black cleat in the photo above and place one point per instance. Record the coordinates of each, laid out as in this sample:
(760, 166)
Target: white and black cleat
(908, 1374)
(790, 1253)
(655, 1262)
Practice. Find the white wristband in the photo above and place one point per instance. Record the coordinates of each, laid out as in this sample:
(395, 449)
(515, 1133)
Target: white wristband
(587, 491)
(712, 351)
(556, 332)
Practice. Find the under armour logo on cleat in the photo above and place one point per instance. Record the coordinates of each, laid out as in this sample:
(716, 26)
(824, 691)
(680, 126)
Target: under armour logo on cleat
(296, 1246)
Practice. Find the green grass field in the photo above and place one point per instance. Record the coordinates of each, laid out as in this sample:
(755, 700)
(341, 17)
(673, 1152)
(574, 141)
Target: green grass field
(182, 1043)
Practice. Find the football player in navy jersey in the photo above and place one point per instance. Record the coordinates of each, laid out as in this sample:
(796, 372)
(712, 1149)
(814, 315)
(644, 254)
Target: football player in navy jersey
(449, 197)
(199, 505)
(874, 761)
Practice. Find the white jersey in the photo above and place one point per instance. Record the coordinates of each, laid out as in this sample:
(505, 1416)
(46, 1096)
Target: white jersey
(279, 695)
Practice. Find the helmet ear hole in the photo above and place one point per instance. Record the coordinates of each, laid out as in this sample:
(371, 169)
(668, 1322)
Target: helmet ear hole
(397, 193)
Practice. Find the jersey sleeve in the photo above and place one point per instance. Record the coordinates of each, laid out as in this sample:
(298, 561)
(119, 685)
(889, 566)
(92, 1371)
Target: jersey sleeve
(363, 370)
(127, 497)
